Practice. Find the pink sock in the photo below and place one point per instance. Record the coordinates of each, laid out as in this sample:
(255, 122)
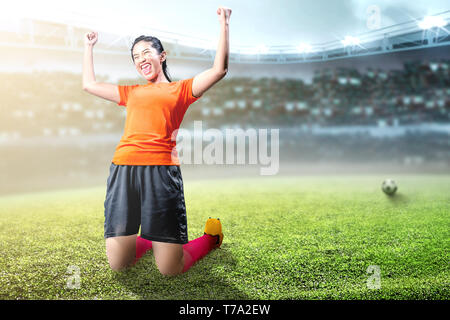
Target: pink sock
(142, 246)
(196, 249)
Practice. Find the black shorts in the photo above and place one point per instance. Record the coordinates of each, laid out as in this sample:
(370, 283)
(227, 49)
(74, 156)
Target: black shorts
(151, 197)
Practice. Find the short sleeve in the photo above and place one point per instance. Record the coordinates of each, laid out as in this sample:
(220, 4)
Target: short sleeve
(186, 97)
(124, 92)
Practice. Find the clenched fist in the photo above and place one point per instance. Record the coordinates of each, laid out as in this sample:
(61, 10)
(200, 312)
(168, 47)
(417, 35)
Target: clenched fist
(90, 38)
(224, 15)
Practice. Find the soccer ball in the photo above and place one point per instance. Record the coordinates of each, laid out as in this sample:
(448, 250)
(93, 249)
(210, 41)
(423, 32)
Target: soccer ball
(389, 186)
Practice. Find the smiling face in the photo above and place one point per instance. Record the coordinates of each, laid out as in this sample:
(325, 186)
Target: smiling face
(148, 62)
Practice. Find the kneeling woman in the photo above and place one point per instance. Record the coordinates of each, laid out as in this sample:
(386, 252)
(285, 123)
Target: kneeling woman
(145, 187)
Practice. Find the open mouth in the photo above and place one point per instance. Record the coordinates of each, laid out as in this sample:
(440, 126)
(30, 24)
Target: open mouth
(146, 68)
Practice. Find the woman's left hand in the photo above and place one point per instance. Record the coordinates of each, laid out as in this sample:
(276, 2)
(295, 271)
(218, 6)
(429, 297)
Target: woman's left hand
(224, 15)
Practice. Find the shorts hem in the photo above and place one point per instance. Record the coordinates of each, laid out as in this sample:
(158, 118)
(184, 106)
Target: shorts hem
(145, 164)
(163, 239)
(120, 234)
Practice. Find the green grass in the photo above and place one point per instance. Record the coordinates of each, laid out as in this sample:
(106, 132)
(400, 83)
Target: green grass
(285, 238)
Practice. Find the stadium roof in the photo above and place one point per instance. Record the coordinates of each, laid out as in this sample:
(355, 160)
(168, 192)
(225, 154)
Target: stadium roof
(418, 33)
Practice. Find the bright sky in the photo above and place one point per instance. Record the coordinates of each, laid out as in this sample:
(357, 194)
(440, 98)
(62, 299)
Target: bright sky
(253, 23)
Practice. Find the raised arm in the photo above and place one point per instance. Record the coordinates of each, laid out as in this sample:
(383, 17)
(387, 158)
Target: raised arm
(103, 90)
(205, 80)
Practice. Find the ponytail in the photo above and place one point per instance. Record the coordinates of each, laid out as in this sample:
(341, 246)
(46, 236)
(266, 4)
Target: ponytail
(166, 72)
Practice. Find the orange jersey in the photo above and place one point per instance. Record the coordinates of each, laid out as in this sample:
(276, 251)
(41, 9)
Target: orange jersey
(154, 112)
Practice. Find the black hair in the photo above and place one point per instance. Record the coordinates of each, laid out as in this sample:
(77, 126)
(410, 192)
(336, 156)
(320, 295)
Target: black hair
(159, 48)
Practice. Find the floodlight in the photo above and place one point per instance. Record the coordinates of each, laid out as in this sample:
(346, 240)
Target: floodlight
(431, 22)
(304, 48)
(350, 41)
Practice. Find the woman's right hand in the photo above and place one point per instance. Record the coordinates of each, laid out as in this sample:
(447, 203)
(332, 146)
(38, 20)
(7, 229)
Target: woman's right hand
(90, 38)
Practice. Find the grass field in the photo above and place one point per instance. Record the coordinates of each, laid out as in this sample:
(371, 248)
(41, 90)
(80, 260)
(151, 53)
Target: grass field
(310, 237)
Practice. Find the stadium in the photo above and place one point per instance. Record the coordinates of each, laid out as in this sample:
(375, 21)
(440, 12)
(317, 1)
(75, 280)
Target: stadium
(349, 113)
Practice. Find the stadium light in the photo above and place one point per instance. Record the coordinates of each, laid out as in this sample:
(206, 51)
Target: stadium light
(304, 48)
(431, 22)
(350, 41)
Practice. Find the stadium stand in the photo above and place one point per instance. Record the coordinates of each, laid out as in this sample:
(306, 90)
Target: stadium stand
(52, 103)
(342, 115)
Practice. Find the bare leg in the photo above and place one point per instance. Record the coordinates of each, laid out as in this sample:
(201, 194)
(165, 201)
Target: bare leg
(169, 257)
(121, 251)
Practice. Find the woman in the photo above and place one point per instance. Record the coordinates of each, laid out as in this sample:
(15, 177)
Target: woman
(145, 187)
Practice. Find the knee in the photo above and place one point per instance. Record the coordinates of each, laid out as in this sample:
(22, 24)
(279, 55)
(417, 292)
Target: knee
(119, 264)
(121, 251)
(170, 269)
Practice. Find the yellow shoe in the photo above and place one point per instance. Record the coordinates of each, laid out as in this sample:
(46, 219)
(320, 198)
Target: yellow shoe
(213, 227)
